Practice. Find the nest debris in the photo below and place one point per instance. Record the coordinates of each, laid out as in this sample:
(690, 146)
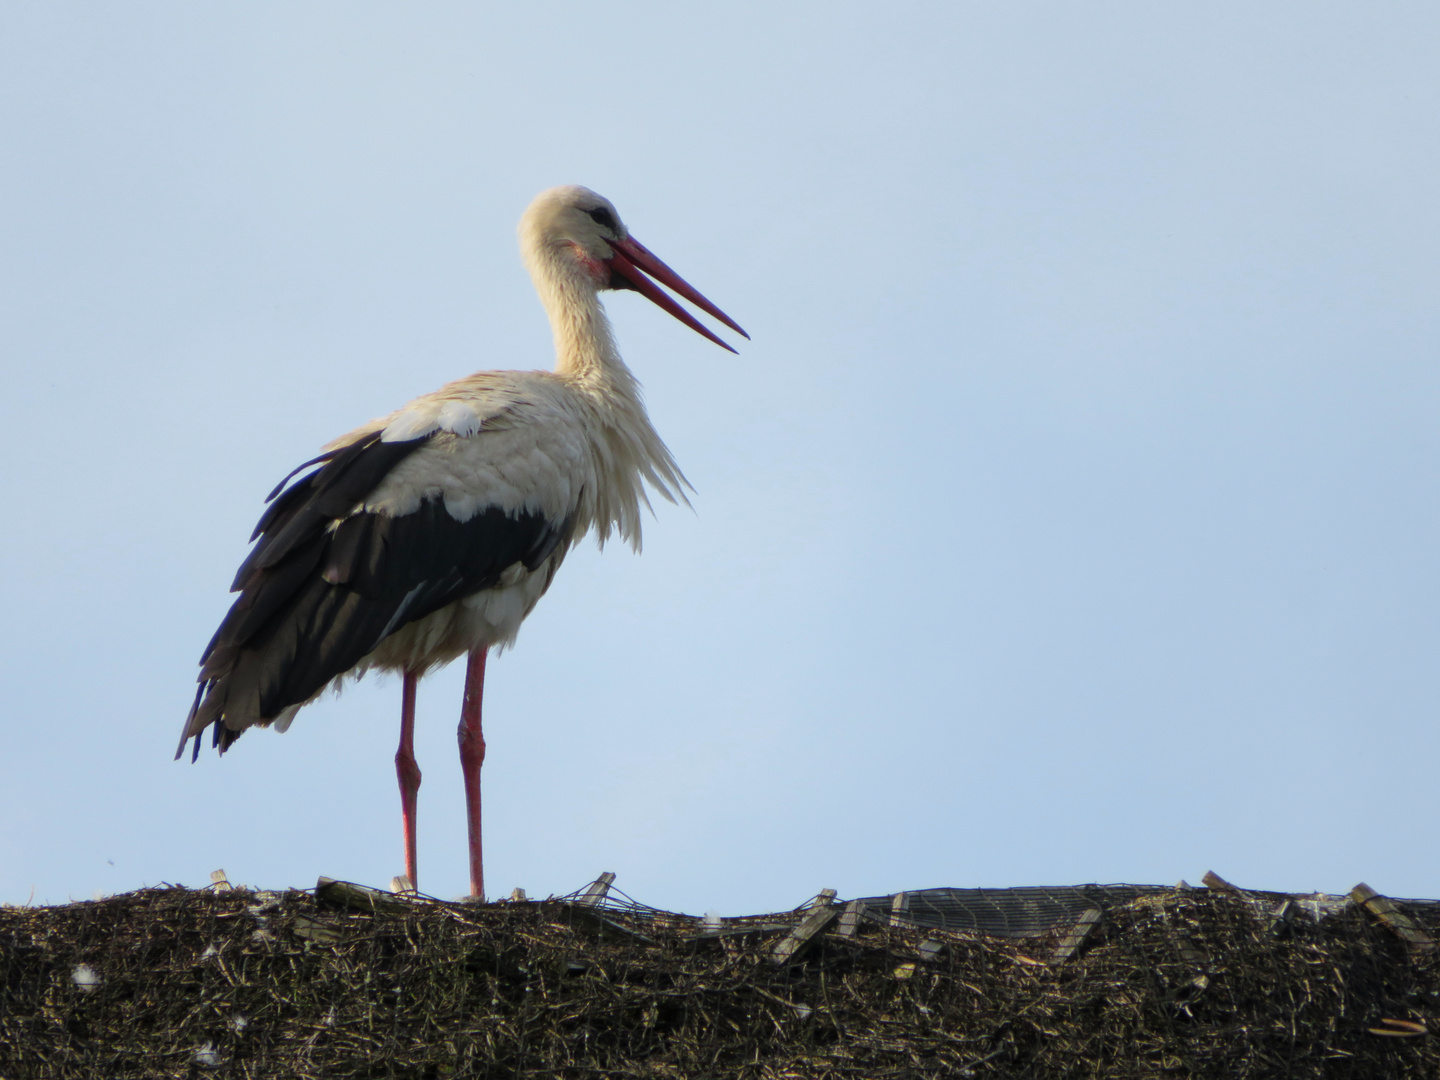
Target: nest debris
(174, 982)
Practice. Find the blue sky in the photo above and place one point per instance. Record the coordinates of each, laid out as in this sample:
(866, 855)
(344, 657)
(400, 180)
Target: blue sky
(1071, 516)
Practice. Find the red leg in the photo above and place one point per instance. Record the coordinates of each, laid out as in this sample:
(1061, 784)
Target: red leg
(472, 756)
(408, 772)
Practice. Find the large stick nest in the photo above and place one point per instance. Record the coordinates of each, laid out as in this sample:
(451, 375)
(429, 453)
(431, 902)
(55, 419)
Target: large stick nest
(179, 983)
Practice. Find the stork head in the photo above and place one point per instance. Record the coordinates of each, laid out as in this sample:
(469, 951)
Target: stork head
(573, 232)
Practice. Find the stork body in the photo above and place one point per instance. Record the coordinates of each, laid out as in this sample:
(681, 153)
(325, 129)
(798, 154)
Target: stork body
(432, 532)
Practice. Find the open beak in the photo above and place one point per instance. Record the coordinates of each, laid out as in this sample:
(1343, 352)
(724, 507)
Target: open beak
(630, 263)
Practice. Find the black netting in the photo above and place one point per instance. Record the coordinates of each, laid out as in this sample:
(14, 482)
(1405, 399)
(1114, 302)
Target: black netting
(1028, 911)
(1020, 912)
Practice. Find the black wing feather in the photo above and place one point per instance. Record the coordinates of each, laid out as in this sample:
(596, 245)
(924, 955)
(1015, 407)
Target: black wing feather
(283, 507)
(324, 496)
(352, 537)
(326, 584)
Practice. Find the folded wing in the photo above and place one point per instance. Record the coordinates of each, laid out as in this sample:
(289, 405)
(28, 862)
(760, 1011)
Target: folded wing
(328, 580)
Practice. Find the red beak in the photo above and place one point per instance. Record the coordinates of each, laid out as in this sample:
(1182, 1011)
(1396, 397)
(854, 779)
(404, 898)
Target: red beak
(630, 263)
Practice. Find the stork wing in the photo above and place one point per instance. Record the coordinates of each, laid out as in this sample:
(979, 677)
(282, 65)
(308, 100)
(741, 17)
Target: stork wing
(328, 580)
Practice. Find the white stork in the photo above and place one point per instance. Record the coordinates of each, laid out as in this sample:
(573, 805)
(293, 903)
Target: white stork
(431, 533)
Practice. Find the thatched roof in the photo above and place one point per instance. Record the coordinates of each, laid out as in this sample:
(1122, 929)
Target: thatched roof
(1185, 982)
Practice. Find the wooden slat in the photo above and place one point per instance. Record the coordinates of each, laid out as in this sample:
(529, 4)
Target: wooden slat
(821, 916)
(598, 890)
(850, 920)
(900, 909)
(314, 930)
(1213, 880)
(1384, 909)
(1083, 928)
(345, 894)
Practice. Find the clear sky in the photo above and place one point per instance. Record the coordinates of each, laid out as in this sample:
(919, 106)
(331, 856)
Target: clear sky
(1071, 517)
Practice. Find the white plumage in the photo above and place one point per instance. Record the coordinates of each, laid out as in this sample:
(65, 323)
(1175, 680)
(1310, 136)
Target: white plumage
(432, 532)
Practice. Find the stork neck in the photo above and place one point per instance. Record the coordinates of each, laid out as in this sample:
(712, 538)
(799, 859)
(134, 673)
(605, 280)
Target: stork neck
(585, 347)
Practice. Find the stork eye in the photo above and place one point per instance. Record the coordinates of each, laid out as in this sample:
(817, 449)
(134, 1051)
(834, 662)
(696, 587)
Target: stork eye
(602, 216)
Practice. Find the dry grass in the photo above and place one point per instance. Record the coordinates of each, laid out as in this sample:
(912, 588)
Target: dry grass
(242, 984)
